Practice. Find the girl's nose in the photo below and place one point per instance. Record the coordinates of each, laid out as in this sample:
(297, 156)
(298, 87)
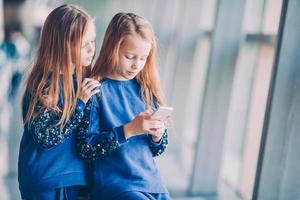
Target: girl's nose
(90, 47)
(134, 65)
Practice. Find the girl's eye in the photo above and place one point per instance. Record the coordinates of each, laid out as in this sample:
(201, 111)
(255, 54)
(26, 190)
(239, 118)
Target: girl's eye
(86, 44)
(143, 59)
(129, 57)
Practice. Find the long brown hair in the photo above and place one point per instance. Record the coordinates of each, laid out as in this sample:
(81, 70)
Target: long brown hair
(58, 55)
(122, 25)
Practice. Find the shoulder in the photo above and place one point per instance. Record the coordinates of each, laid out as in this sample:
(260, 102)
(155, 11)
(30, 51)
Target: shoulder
(104, 82)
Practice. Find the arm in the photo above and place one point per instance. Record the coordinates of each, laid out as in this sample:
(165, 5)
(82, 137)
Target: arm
(47, 134)
(94, 144)
(45, 131)
(157, 148)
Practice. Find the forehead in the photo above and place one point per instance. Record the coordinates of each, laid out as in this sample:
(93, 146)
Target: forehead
(90, 32)
(135, 44)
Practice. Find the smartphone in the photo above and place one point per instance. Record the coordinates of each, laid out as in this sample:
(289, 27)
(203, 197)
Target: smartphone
(163, 111)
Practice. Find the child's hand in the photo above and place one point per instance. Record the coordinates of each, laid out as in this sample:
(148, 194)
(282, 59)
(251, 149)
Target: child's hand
(144, 122)
(88, 89)
(157, 133)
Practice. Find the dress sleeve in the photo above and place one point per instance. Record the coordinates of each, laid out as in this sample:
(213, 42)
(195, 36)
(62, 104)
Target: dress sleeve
(157, 148)
(93, 142)
(45, 131)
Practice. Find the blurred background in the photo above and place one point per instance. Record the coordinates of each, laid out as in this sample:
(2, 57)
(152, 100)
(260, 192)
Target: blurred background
(228, 67)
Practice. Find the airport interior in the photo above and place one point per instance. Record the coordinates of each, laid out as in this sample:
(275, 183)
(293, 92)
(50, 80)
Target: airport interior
(229, 68)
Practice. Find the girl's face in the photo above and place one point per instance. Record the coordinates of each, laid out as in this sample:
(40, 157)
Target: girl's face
(133, 55)
(88, 45)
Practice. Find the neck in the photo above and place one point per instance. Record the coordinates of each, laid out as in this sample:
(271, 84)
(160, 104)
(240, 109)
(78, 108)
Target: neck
(115, 77)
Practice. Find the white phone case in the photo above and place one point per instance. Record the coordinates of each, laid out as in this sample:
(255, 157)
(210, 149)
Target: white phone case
(163, 111)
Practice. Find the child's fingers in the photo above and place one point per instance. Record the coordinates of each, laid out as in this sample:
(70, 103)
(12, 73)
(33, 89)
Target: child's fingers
(156, 124)
(150, 111)
(95, 91)
(88, 89)
(86, 80)
(158, 130)
(156, 133)
(145, 113)
(158, 118)
(89, 83)
(92, 86)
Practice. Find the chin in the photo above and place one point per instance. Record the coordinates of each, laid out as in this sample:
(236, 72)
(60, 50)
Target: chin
(86, 64)
(130, 77)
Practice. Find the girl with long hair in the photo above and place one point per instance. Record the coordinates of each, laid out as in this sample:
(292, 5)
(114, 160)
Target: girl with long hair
(122, 136)
(53, 103)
